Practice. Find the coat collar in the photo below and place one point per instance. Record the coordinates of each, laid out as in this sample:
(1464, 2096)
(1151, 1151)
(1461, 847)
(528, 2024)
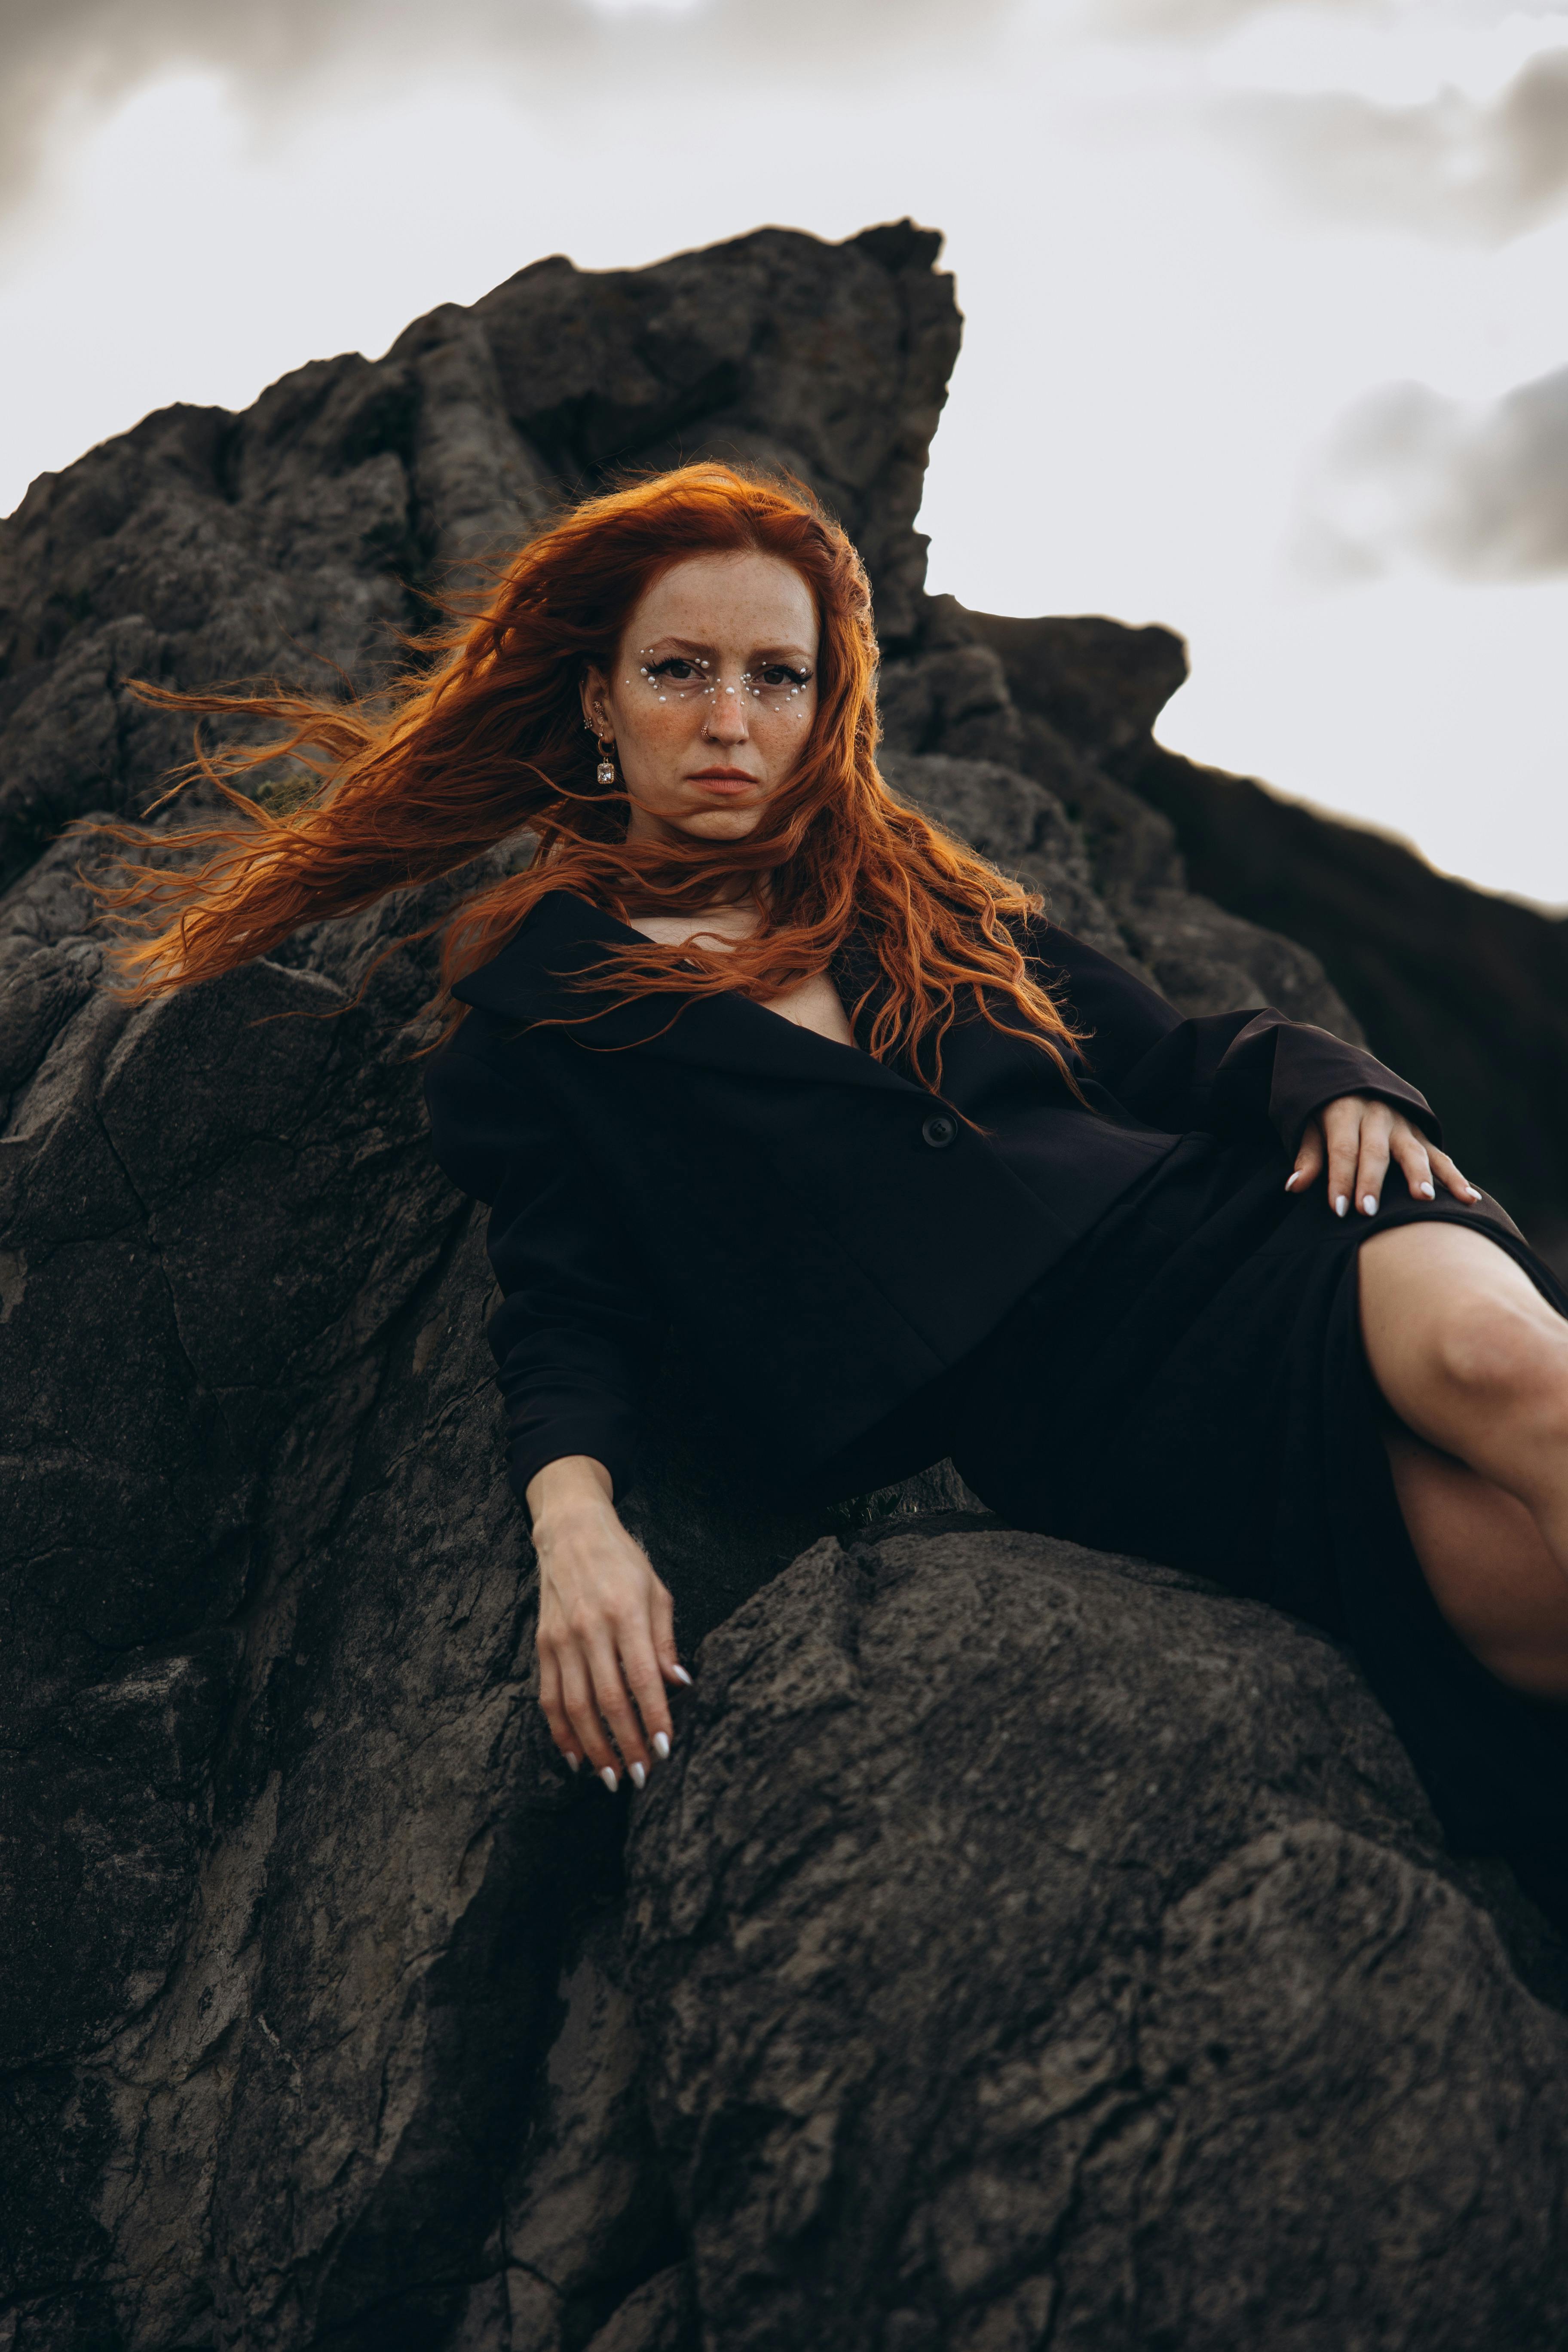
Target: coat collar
(564, 936)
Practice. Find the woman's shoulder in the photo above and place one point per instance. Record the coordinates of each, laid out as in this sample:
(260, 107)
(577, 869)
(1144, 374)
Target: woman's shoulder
(1117, 1014)
(1062, 953)
(559, 937)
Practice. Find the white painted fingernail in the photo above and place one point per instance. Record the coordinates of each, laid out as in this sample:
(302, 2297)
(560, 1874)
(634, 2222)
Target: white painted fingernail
(1291, 1181)
(661, 1746)
(1369, 1203)
(1427, 1192)
(608, 1776)
(1473, 1193)
(574, 1761)
(681, 1676)
(638, 1775)
(1340, 1206)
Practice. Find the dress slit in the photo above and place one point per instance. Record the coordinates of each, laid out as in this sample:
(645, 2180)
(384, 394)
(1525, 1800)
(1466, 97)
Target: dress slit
(1220, 1416)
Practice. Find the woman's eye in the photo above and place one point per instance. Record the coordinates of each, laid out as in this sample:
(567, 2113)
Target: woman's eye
(676, 671)
(779, 674)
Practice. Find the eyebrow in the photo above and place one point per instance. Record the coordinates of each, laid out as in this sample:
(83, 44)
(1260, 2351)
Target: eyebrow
(777, 651)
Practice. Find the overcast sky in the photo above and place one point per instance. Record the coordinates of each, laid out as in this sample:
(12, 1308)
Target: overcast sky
(1266, 332)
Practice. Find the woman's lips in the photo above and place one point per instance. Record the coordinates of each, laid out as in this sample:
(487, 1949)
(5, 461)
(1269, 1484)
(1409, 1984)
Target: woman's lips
(724, 780)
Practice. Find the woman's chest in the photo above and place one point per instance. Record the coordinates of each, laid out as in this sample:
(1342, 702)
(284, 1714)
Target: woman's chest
(813, 1003)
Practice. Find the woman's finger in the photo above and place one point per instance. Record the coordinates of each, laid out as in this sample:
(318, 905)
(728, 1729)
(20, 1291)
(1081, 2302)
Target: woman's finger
(1414, 1166)
(577, 1698)
(1308, 1158)
(613, 1704)
(1448, 1175)
(669, 1656)
(1372, 1160)
(664, 1648)
(554, 1711)
(639, 1664)
(1341, 1132)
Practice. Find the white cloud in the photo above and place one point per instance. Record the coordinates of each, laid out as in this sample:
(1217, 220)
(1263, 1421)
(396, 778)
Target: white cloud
(69, 62)
(1479, 490)
(1452, 165)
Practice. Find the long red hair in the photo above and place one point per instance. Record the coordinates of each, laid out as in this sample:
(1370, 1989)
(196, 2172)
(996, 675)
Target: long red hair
(483, 735)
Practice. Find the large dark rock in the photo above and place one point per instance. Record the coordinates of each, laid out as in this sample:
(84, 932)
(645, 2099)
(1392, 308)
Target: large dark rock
(1466, 993)
(1031, 1947)
(952, 696)
(320, 2024)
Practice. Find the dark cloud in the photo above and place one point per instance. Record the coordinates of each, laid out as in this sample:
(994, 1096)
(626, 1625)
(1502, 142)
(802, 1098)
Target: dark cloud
(66, 59)
(1479, 493)
(1452, 167)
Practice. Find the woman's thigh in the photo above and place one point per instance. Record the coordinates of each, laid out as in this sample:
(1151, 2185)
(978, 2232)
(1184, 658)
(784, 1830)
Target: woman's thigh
(1474, 1362)
(1488, 1567)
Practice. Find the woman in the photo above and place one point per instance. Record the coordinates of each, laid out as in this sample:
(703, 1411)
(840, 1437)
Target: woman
(755, 1057)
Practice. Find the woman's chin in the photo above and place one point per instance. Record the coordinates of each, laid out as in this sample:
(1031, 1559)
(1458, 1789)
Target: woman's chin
(721, 823)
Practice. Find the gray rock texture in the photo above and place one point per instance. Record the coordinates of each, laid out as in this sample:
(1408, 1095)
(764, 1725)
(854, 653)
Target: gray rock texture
(326, 2019)
(1032, 1947)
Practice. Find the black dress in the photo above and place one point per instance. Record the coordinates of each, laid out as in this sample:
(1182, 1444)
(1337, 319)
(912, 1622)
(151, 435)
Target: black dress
(1222, 1417)
(1115, 1319)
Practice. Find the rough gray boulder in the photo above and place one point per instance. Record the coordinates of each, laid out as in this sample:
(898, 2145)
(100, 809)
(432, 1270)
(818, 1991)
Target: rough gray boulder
(321, 2026)
(1032, 1948)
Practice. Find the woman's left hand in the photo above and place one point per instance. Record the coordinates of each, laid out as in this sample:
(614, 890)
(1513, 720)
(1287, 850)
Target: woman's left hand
(1357, 1137)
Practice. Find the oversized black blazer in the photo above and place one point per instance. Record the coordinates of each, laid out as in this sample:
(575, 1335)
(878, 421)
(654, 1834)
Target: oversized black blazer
(819, 1234)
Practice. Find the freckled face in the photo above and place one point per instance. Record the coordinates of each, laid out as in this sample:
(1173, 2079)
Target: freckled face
(712, 695)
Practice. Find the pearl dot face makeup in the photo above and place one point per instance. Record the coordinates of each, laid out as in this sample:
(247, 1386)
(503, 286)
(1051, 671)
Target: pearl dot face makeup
(694, 677)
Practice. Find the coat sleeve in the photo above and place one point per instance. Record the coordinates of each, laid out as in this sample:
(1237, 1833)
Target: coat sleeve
(1223, 1071)
(578, 1333)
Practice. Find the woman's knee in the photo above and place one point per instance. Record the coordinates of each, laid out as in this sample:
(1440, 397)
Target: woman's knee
(1493, 1354)
(1454, 1328)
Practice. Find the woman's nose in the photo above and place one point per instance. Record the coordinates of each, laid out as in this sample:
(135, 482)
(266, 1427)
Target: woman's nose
(726, 720)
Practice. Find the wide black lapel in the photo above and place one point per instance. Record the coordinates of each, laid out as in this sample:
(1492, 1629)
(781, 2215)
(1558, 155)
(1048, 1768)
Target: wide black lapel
(564, 937)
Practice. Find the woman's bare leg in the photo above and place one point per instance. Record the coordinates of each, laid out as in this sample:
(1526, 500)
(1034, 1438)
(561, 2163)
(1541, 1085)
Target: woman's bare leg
(1490, 1573)
(1475, 1363)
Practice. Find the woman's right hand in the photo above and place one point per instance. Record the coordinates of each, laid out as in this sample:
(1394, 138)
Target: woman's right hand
(606, 1625)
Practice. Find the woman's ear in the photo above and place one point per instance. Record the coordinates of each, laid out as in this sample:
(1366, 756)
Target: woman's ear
(596, 702)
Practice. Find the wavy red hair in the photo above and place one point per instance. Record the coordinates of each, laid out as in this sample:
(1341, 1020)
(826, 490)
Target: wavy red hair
(483, 735)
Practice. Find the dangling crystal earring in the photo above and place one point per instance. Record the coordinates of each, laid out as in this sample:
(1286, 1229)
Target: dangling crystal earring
(607, 768)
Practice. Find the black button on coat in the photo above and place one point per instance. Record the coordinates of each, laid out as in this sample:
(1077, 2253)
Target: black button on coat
(825, 1239)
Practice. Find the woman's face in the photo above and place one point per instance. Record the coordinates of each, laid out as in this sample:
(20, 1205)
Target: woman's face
(712, 696)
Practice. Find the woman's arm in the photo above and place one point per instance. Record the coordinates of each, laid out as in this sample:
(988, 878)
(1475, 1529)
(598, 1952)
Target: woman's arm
(1332, 1104)
(576, 1339)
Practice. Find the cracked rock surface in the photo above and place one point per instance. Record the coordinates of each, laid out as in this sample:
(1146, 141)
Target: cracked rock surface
(1022, 1948)
(1032, 1948)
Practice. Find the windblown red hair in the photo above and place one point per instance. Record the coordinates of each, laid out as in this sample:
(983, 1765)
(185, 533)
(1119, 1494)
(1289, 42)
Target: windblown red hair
(484, 735)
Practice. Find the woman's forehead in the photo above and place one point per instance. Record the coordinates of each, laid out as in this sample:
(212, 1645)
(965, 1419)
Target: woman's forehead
(719, 600)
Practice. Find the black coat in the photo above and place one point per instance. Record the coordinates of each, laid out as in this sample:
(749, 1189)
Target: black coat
(819, 1232)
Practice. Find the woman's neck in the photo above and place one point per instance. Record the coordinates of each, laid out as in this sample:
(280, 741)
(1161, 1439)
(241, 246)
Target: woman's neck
(743, 893)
